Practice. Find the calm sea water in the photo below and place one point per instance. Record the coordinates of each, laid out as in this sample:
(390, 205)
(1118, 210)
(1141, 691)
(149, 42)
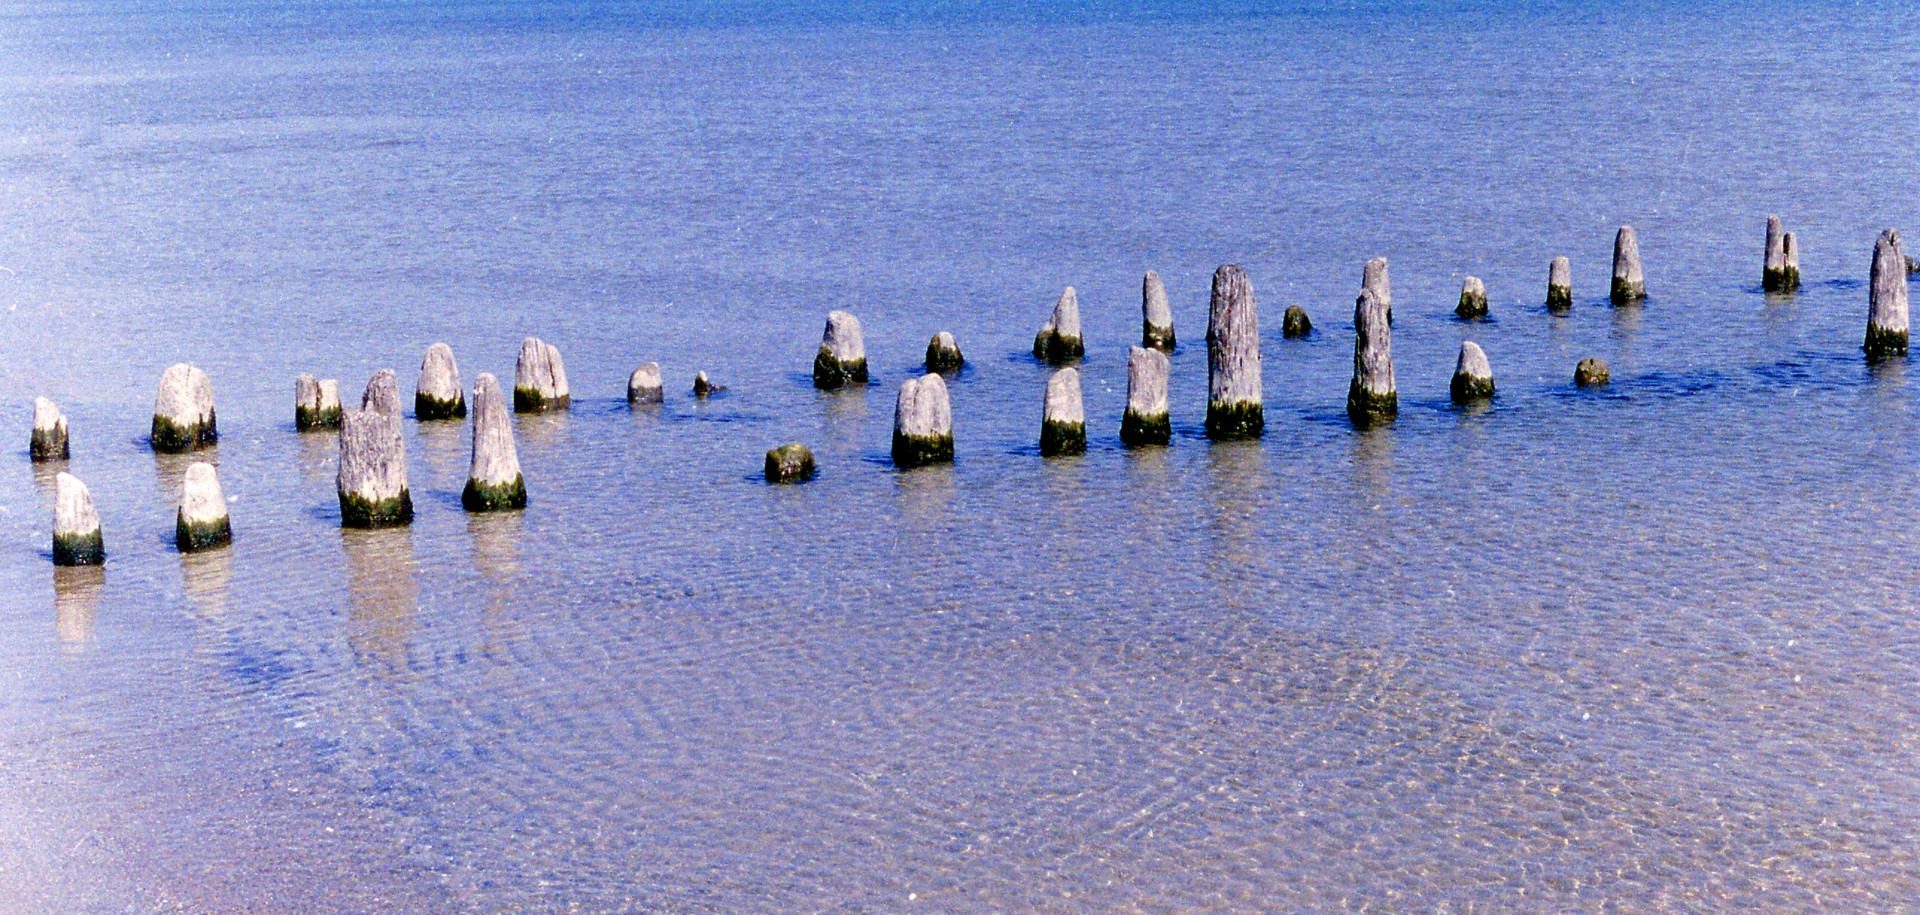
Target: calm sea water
(1651, 647)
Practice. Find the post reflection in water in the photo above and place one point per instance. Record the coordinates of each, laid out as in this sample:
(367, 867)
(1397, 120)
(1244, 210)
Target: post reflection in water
(846, 415)
(1234, 479)
(382, 595)
(170, 470)
(319, 450)
(496, 553)
(443, 446)
(206, 580)
(76, 599)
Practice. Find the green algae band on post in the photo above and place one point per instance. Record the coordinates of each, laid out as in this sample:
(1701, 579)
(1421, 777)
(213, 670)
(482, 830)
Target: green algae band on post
(1147, 421)
(494, 482)
(842, 359)
(316, 403)
(1373, 397)
(49, 439)
(922, 423)
(1472, 375)
(76, 525)
(1059, 340)
(372, 479)
(1473, 299)
(1234, 406)
(183, 418)
(644, 386)
(1629, 281)
(789, 463)
(1063, 418)
(1156, 318)
(1887, 299)
(1559, 285)
(1781, 273)
(540, 378)
(943, 353)
(202, 522)
(438, 394)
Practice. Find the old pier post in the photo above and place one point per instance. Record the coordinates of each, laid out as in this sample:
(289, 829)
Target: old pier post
(922, 423)
(1294, 323)
(1060, 341)
(183, 418)
(49, 439)
(1063, 419)
(1782, 270)
(372, 480)
(540, 378)
(1156, 318)
(202, 522)
(438, 394)
(1887, 299)
(1592, 373)
(1147, 421)
(316, 404)
(382, 394)
(842, 359)
(1472, 375)
(1629, 282)
(1234, 404)
(789, 463)
(943, 353)
(704, 386)
(1373, 397)
(1559, 285)
(76, 525)
(1473, 299)
(494, 481)
(645, 385)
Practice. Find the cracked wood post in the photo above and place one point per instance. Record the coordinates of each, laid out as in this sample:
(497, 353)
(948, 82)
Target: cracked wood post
(438, 394)
(1147, 421)
(49, 439)
(1156, 318)
(1234, 407)
(1060, 341)
(494, 482)
(372, 480)
(1887, 300)
(540, 378)
(1373, 397)
(183, 417)
(316, 403)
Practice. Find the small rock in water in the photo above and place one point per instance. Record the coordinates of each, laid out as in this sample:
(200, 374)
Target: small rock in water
(49, 439)
(1473, 299)
(943, 354)
(703, 386)
(645, 385)
(202, 522)
(842, 359)
(1472, 375)
(1063, 420)
(1294, 323)
(540, 378)
(1591, 373)
(438, 394)
(183, 417)
(789, 463)
(1060, 341)
(494, 481)
(76, 524)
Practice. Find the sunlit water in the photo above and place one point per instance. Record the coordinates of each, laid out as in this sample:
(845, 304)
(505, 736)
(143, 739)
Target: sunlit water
(1653, 646)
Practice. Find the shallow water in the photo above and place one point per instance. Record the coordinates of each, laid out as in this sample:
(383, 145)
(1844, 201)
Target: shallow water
(1646, 647)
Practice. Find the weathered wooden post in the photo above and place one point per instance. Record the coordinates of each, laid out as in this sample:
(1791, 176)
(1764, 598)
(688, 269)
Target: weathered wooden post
(1060, 341)
(1887, 300)
(842, 359)
(1063, 419)
(789, 463)
(645, 386)
(540, 378)
(76, 525)
(1559, 285)
(922, 423)
(202, 522)
(1472, 375)
(943, 353)
(1234, 404)
(1629, 283)
(1294, 323)
(183, 418)
(704, 386)
(372, 479)
(1782, 270)
(316, 404)
(382, 393)
(1592, 373)
(1156, 318)
(438, 394)
(1373, 396)
(1147, 421)
(1473, 299)
(494, 481)
(49, 439)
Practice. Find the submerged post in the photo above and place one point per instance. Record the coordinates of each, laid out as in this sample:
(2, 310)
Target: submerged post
(789, 463)
(382, 394)
(49, 440)
(372, 481)
(1146, 421)
(1373, 397)
(1156, 318)
(645, 385)
(1473, 299)
(1592, 373)
(1063, 420)
(1887, 300)
(704, 386)
(438, 394)
(202, 522)
(540, 378)
(1234, 406)
(316, 404)
(494, 481)
(842, 359)
(76, 525)
(1060, 341)
(922, 423)
(943, 353)
(1294, 323)
(1472, 375)
(1782, 270)
(1559, 285)
(183, 417)
(1629, 283)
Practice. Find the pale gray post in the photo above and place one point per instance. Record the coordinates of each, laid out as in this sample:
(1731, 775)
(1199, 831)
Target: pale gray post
(922, 423)
(540, 378)
(842, 359)
(1373, 397)
(1472, 375)
(645, 385)
(1234, 404)
(1063, 419)
(202, 522)
(372, 479)
(1156, 318)
(1147, 420)
(1629, 282)
(1060, 341)
(49, 439)
(438, 394)
(1559, 285)
(183, 416)
(1887, 299)
(76, 524)
(494, 481)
